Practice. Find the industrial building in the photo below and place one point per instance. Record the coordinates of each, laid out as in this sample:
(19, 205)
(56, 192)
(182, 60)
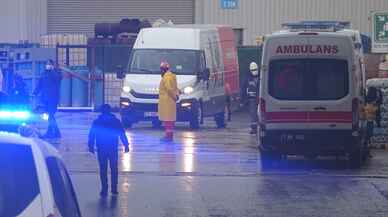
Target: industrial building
(29, 19)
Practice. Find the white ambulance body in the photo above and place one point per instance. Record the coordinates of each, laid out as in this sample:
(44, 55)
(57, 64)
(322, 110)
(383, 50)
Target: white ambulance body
(312, 87)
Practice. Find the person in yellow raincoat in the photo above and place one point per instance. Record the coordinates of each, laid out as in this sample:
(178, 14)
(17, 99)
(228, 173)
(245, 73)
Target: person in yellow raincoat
(168, 96)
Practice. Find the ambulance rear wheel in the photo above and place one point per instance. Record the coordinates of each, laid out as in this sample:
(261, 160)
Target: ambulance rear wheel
(268, 158)
(356, 158)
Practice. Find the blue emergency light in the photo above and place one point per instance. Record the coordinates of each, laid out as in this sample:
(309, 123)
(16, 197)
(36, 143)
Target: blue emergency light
(14, 115)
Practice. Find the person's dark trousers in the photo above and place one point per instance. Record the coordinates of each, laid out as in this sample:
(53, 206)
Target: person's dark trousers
(103, 159)
(253, 114)
(52, 130)
(378, 116)
(228, 107)
(369, 130)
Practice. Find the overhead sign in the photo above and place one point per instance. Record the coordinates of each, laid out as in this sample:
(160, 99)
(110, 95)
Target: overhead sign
(229, 4)
(380, 32)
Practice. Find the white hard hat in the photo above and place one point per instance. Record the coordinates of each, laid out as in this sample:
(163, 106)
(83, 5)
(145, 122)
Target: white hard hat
(253, 66)
(254, 69)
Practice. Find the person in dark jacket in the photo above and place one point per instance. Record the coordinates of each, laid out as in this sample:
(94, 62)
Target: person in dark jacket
(49, 89)
(370, 110)
(253, 93)
(105, 133)
(379, 102)
(19, 93)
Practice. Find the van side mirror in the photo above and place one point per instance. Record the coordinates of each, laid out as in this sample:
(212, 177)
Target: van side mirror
(120, 74)
(358, 45)
(206, 74)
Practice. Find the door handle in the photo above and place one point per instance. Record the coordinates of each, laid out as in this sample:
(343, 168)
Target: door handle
(320, 108)
(288, 108)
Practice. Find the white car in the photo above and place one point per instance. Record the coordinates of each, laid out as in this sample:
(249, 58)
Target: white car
(34, 181)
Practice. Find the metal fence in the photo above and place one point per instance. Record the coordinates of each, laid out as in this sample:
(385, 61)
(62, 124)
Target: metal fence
(89, 74)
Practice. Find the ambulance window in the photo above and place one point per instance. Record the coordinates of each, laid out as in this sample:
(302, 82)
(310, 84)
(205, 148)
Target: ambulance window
(332, 82)
(287, 79)
(308, 79)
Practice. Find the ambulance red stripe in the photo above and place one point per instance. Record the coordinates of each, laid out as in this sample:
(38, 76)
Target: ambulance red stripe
(308, 117)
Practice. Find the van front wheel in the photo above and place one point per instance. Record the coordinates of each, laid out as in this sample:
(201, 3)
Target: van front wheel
(197, 117)
(220, 120)
(127, 124)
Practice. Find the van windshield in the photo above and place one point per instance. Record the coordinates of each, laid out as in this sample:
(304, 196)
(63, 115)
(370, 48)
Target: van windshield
(19, 181)
(308, 79)
(147, 61)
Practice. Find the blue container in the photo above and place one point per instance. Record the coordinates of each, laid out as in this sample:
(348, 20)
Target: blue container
(79, 90)
(29, 85)
(65, 91)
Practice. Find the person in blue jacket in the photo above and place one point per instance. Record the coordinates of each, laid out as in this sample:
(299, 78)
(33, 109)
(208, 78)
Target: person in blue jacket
(104, 134)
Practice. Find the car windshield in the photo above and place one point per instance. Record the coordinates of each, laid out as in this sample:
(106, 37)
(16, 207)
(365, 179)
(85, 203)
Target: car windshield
(308, 79)
(18, 182)
(147, 61)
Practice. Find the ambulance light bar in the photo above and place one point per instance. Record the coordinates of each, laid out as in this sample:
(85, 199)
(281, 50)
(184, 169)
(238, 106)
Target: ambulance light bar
(316, 26)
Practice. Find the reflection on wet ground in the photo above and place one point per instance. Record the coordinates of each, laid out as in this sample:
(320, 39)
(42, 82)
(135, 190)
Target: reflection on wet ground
(217, 172)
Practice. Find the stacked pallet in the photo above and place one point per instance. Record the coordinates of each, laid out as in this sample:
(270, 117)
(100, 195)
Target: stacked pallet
(380, 135)
(77, 56)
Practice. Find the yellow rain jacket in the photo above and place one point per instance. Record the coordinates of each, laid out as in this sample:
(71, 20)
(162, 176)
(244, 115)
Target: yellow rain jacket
(168, 93)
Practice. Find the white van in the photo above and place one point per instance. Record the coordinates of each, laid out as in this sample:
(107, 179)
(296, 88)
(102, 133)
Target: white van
(312, 87)
(34, 181)
(203, 57)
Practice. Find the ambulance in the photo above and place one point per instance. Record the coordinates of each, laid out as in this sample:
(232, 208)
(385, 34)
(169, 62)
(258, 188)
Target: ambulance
(203, 57)
(311, 90)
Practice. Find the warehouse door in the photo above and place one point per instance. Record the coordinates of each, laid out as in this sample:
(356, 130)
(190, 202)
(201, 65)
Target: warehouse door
(79, 16)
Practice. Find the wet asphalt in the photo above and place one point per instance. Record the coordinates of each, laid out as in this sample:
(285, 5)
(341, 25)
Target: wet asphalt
(217, 173)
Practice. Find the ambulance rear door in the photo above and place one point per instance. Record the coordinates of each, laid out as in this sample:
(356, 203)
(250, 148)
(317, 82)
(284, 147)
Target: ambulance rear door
(310, 83)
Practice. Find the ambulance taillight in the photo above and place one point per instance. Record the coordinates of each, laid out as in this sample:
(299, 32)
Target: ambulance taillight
(355, 114)
(262, 108)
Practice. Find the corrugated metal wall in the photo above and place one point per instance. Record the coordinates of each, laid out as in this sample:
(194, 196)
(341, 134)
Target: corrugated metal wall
(22, 20)
(260, 17)
(79, 16)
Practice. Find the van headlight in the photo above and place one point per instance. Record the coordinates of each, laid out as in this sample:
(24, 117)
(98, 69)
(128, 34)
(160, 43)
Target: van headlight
(127, 89)
(188, 90)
